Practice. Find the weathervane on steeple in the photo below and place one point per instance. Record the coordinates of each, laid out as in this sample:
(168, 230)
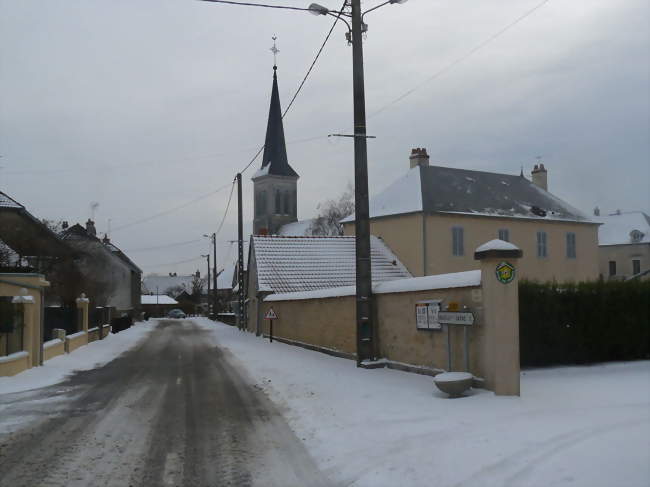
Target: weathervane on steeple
(275, 52)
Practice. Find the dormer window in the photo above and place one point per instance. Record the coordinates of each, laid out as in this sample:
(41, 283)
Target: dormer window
(636, 236)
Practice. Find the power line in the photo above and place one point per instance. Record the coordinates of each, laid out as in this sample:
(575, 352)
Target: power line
(304, 80)
(453, 64)
(247, 4)
(327, 38)
(166, 246)
(170, 210)
(225, 213)
(174, 263)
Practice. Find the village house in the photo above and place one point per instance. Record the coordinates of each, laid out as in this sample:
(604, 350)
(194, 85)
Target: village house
(624, 245)
(433, 217)
(111, 279)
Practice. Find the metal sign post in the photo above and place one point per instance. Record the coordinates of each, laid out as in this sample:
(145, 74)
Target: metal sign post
(270, 315)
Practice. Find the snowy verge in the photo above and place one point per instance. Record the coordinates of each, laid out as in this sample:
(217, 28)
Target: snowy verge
(385, 428)
(90, 356)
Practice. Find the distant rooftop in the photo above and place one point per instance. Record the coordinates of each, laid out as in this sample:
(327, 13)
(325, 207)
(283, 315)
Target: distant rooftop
(620, 228)
(7, 202)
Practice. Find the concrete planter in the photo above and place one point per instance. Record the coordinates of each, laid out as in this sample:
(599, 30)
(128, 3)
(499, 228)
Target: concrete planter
(453, 383)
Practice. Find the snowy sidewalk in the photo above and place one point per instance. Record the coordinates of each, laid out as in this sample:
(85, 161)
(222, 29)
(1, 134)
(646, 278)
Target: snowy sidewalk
(90, 356)
(572, 426)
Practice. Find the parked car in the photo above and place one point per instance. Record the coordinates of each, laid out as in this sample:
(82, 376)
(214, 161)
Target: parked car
(176, 313)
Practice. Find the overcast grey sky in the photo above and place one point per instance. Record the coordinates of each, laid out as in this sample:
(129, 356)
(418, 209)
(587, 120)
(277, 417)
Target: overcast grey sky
(144, 105)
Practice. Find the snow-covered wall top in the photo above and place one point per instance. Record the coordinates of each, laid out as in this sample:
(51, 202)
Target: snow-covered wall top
(496, 244)
(425, 283)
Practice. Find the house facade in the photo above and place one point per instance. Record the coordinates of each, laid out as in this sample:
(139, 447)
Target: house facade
(433, 217)
(624, 245)
(109, 279)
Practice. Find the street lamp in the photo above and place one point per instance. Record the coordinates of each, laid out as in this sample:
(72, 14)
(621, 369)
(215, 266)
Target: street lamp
(208, 257)
(365, 333)
(214, 273)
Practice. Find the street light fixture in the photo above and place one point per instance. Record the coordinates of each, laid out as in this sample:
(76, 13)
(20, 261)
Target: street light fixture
(365, 330)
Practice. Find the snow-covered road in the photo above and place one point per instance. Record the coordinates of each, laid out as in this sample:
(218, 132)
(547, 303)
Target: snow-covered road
(171, 411)
(572, 426)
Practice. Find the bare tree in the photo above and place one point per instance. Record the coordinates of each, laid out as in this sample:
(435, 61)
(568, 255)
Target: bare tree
(197, 286)
(331, 212)
(174, 291)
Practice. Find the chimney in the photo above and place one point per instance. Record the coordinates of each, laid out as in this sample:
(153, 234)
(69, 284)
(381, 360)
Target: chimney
(106, 240)
(540, 177)
(419, 157)
(596, 211)
(90, 227)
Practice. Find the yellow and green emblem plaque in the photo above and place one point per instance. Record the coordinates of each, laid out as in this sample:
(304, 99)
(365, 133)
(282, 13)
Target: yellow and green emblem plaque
(505, 272)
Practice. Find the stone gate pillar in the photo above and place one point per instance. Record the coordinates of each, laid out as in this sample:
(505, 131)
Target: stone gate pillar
(82, 306)
(499, 275)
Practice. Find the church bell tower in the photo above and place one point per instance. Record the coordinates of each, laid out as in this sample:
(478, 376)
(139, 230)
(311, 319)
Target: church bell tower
(275, 182)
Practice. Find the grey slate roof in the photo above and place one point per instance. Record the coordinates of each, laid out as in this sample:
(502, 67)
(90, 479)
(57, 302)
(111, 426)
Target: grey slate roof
(291, 264)
(275, 149)
(462, 191)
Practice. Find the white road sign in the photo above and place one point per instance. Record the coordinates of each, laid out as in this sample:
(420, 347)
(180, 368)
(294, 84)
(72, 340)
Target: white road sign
(455, 318)
(270, 315)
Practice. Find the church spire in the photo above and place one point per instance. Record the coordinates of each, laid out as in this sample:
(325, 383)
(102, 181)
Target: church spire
(275, 149)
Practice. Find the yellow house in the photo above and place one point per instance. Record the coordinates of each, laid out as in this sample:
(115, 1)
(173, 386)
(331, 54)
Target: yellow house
(433, 217)
(624, 245)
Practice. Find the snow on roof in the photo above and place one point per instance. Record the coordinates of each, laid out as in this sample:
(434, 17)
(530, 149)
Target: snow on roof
(7, 202)
(157, 299)
(155, 283)
(496, 244)
(403, 196)
(425, 283)
(617, 229)
(296, 229)
(289, 264)
(462, 191)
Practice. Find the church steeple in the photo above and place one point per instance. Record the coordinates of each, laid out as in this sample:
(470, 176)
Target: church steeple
(274, 184)
(275, 149)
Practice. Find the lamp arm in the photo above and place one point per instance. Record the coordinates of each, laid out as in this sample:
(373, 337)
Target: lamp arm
(373, 8)
(340, 17)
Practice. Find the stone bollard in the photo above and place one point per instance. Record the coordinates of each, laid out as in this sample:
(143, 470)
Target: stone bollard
(499, 263)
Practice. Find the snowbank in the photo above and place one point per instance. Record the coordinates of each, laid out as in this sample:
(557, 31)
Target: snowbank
(386, 428)
(87, 357)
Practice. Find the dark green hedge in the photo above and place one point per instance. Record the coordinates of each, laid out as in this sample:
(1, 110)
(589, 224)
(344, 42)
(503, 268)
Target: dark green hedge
(583, 323)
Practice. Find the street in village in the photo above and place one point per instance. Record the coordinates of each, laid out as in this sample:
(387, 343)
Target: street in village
(172, 411)
(195, 403)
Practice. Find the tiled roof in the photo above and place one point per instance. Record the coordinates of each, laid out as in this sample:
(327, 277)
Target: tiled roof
(7, 202)
(462, 191)
(290, 264)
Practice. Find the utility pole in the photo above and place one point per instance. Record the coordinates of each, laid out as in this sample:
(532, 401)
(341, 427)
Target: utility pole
(365, 346)
(240, 261)
(207, 256)
(214, 276)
